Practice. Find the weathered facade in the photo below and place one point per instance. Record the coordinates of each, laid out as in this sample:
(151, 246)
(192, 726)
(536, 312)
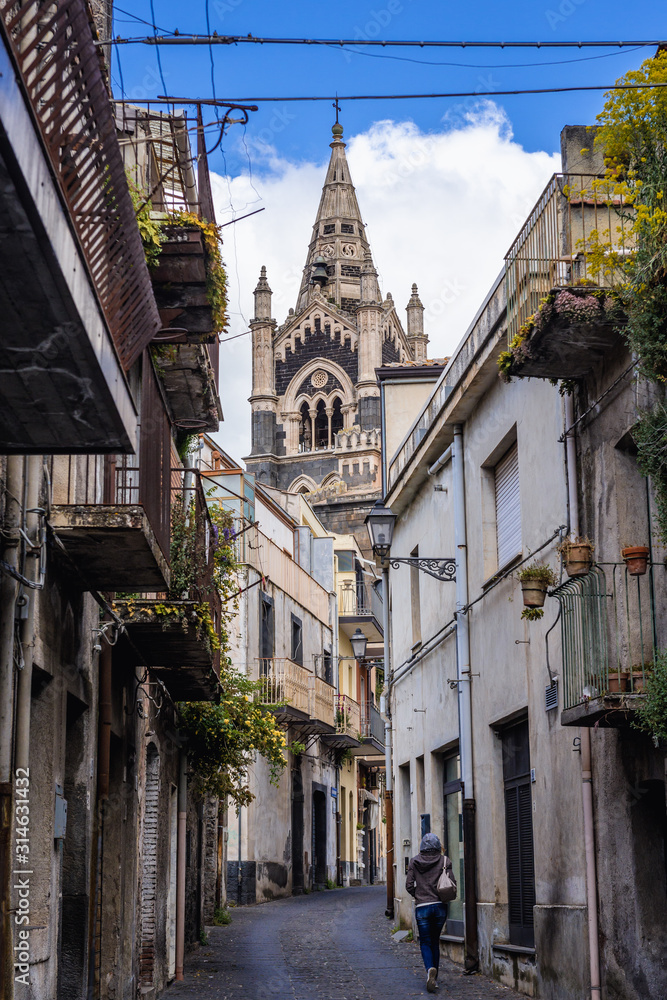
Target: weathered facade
(316, 421)
(96, 804)
(483, 703)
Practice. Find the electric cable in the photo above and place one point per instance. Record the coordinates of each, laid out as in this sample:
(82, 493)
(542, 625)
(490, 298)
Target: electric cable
(178, 38)
(157, 48)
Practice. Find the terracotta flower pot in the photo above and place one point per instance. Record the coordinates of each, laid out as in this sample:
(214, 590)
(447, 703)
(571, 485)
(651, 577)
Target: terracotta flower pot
(618, 681)
(534, 593)
(578, 559)
(636, 559)
(639, 678)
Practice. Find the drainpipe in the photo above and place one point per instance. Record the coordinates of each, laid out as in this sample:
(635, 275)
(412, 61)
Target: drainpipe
(33, 481)
(465, 704)
(13, 490)
(585, 739)
(180, 862)
(389, 780)
(104, 712)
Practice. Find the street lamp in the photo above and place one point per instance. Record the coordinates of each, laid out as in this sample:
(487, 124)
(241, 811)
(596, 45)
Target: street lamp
(380, 522)
(358, 641)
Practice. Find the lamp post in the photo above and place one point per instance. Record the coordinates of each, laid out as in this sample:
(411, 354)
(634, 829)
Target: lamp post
(358, 641)
(380, 522)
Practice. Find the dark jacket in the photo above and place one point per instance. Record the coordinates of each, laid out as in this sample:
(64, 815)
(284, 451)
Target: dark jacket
(424, 871)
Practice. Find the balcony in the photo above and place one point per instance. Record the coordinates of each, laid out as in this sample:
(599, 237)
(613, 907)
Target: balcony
(78, 306)
(372, 730)
(190, 385)
(297, 697)
(177, 635)
(610, 635)
(348, 725)
(112, 513)
(360, 606)
(575, 214)
(175, 640)
(273, 563)
(113, 521)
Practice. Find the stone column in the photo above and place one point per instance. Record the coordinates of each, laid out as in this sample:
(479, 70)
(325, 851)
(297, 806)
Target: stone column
(369, 324)
(263, 399)
(416, 337)
(329, 413)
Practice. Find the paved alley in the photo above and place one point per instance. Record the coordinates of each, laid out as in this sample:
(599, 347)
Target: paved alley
(324, 946)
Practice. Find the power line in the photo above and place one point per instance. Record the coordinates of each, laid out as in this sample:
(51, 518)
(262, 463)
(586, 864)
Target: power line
(216, 39)
(418, 97)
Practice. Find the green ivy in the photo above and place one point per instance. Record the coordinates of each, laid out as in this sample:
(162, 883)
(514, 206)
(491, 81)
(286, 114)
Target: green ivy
(652, 711)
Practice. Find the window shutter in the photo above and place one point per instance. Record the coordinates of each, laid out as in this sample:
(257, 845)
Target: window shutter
(508, 506)
(520, 864)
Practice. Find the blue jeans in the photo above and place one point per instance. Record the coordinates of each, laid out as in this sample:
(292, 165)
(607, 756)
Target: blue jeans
(430, 921)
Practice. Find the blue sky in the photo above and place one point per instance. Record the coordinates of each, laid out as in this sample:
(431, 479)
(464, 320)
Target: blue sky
(249, 70)
(444, 185)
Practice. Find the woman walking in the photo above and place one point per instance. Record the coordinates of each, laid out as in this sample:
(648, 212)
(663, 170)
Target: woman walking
(421, 882)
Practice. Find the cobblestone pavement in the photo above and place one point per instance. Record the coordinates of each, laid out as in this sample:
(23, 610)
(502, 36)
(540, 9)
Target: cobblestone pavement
(333, 945)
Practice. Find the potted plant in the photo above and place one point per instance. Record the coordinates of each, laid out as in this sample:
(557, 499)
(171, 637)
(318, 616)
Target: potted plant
(535, 580)
(618, 681)
(636, 559)
(577, 555)
(640, 675)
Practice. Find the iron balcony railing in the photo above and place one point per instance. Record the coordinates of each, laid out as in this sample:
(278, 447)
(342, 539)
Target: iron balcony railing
(371, 722)
(574, 215)
(62, 74)
(359, 598)
(284, 683)
(609, 631)
(348, 716)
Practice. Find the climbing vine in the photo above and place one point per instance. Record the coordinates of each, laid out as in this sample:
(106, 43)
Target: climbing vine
(216, 277)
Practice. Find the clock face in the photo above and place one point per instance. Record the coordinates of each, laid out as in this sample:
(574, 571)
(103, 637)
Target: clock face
(349, 250)
(329, 250)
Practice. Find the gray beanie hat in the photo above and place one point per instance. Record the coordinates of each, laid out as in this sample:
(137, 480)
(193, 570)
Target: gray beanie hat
(430, 843)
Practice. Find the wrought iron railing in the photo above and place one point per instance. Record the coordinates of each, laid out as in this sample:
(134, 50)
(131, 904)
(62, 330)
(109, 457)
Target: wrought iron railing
(348, 716)
(61, 71)
(575, 213)
(609, 632)
(359, 598)
(371, 722)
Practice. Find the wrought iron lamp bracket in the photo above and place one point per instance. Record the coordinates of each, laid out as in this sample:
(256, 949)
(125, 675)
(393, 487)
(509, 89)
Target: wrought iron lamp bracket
(441, 569)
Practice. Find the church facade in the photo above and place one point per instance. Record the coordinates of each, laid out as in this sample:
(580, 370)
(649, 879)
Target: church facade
(316, 420)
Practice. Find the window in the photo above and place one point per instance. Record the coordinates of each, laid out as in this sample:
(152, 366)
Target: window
(345, 562)
(519, 834)
(297, 640)
(508, 506)
(414, 601)
(453, 842)
(266, 631)
(327, 665)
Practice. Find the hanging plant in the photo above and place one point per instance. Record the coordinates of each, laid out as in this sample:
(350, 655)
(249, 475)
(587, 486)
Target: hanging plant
(216, 276)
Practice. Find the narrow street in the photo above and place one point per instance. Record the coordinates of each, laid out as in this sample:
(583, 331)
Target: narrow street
(324, 946)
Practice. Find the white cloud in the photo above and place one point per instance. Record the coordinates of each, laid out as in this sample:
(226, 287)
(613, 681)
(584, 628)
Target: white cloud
(441, 209)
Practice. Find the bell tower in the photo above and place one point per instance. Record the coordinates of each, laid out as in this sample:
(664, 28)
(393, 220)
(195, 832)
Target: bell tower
(263, 400)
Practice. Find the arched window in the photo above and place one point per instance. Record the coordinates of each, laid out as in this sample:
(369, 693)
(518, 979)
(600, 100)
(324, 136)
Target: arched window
(321, 426)
(336, 418)
(305, 429)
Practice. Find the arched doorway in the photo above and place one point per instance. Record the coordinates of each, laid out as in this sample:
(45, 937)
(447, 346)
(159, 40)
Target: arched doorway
(297, 828)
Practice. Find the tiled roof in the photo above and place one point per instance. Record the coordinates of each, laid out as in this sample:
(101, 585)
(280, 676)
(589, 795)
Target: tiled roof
(426, 363)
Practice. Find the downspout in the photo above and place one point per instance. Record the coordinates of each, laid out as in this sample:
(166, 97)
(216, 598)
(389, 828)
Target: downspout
(389, 781)
(465, 705)
(585, 737)
(34, 465)
(8, 593)
(180, 862)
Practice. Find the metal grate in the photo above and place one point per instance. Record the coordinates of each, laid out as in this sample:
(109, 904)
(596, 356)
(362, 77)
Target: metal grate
(574, 213)
(61, 71)
(551, 697)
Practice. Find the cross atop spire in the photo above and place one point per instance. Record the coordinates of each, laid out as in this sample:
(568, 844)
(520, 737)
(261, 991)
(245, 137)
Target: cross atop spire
(339, 235)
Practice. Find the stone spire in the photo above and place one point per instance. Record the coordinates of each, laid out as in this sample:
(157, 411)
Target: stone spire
(416, 336)
(262, 295)
(339, 237)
